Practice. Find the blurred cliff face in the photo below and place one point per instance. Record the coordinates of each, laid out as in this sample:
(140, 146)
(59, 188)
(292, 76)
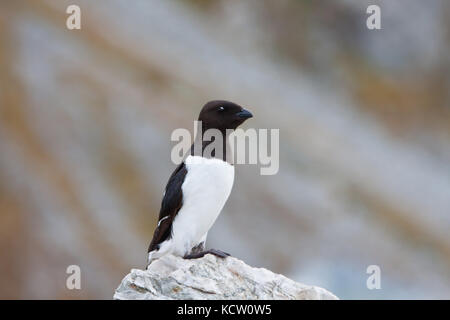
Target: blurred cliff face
(364, 119)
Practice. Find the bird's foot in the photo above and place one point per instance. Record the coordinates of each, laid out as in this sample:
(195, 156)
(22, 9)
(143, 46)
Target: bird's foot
(217, 253)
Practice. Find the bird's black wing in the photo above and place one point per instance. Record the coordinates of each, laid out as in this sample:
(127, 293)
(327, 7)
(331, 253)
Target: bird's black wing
(171, 204)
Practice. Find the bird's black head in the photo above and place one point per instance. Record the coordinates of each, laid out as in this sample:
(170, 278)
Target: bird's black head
(223, 115)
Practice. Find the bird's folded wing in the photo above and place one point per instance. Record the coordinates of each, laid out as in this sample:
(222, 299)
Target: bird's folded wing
(171, 204)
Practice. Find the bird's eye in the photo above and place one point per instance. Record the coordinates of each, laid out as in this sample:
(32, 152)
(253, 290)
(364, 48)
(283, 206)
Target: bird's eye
(221, 109)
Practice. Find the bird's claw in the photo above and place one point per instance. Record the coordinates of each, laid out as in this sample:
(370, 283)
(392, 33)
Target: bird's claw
(216, 252)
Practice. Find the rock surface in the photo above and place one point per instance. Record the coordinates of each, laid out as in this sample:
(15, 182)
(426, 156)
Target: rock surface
(210, 277)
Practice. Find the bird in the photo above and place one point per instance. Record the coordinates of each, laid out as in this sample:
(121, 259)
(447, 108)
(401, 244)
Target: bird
(198, 188)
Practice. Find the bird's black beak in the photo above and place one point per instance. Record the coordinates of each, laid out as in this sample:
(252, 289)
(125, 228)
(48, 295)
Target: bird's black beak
(244, 114)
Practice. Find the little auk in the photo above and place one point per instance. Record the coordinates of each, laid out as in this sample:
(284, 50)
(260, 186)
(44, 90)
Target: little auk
(198, 188)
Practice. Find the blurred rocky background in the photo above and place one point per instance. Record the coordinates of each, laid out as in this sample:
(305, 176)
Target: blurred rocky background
(364, 118)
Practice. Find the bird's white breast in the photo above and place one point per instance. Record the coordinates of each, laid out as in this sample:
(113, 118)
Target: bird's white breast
(206, 188)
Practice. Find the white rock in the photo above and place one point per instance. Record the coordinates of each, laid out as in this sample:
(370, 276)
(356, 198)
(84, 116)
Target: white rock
(172, 277)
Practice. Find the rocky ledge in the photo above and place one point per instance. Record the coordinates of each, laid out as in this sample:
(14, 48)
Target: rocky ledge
(210, 277)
